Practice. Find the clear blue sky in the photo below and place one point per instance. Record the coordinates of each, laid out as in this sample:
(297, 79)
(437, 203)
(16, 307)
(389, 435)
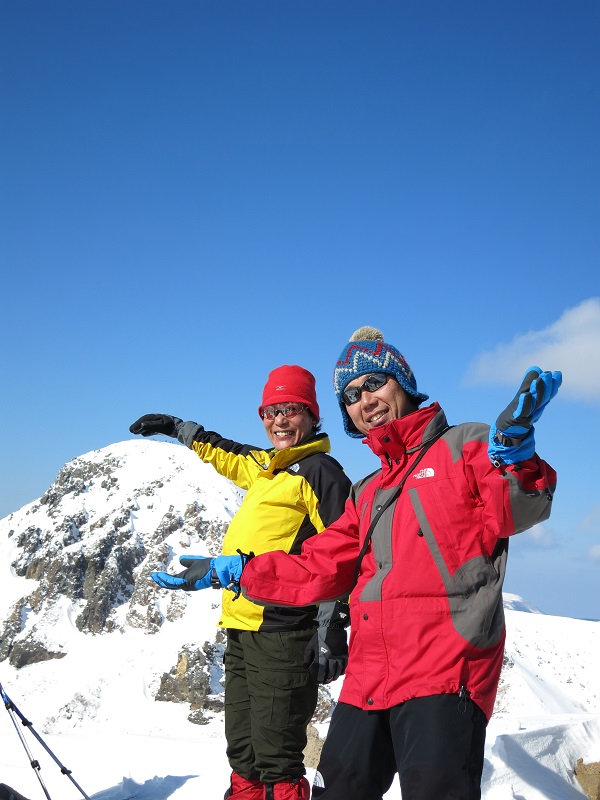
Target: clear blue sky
(196, 192)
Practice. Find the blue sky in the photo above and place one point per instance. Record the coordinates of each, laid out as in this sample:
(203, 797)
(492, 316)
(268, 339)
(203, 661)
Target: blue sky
(196, 192)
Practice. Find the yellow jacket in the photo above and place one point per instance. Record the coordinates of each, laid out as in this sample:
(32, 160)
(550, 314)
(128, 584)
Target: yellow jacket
(291, 495)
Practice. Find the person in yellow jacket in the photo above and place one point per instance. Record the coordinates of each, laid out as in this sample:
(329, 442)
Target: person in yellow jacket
(275, 656)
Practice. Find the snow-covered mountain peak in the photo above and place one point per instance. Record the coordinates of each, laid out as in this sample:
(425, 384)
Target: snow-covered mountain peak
(513, 602)
(84, 551)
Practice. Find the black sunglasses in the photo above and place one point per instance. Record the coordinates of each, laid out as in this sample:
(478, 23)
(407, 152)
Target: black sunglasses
(371, 384)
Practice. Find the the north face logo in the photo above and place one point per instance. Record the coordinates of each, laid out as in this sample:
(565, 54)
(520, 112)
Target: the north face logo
(426, 472)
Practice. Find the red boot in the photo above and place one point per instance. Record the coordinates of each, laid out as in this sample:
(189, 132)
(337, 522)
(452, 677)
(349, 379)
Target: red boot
(298, 789)
(245, 789)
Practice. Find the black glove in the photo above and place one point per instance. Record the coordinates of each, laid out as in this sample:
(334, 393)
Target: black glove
(152, 424)
(327, 652)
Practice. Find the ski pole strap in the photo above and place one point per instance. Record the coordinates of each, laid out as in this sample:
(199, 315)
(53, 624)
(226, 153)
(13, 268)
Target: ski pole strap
(392, 499)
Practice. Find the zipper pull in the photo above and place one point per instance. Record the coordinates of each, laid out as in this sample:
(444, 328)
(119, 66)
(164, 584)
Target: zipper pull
(463, 695)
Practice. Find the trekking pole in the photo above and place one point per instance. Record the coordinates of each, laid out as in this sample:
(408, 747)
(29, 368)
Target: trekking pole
(34, 763)
(12, 710)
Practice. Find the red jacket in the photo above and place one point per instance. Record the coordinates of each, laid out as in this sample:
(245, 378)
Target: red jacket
(426, 612)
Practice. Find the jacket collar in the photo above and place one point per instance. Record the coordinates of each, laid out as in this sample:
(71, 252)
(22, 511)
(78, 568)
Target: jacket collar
(282, 459)
(401, 437)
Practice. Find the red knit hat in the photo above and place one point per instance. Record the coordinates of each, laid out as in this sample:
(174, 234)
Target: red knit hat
(291, 384)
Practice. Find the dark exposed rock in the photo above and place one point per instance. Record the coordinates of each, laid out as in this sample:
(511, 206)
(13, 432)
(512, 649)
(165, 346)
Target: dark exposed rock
(27, 651)
(588, 776)
(11, 628)
(325, 705)
(314, 745)
(170, 523)
(75, 478)
(189, 681)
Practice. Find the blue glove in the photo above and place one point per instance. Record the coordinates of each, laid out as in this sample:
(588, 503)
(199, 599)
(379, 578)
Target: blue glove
(198, 575)
(511, 438)
(228, 570)
(222, 572)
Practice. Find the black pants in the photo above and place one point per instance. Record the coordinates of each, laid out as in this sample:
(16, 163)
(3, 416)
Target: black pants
(435, 744)
(270, 698)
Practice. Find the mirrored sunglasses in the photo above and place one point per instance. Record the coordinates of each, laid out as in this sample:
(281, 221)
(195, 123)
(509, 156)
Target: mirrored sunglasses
(373, 382)
(288, 410)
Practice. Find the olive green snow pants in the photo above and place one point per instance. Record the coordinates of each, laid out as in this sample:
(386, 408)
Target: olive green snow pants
(270, 698)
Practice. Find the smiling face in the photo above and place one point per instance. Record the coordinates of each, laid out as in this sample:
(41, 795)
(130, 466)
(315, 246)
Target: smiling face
(284, 432)
(379, 407)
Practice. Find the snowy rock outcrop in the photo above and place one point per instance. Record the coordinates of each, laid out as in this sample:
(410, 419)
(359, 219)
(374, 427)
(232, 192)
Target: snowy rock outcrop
(81, 556)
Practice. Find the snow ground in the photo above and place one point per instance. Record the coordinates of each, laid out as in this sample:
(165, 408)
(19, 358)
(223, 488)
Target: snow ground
(120, 743)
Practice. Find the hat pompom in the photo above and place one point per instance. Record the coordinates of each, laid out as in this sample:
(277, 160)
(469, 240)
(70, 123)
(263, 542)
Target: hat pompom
(367, 334)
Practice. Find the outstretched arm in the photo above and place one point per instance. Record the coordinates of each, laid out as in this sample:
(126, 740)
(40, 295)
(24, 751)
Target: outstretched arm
(230, 459)
(514, 484)
(323, 571)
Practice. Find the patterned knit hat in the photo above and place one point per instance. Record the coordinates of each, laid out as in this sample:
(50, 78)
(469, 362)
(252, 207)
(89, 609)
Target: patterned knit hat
(291, 384)
(367, 352)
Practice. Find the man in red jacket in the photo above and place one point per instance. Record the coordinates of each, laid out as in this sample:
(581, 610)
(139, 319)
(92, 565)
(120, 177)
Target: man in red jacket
(422, 545)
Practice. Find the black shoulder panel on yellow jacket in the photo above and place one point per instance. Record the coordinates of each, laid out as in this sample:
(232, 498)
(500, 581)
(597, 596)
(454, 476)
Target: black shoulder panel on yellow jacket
(328, 481)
